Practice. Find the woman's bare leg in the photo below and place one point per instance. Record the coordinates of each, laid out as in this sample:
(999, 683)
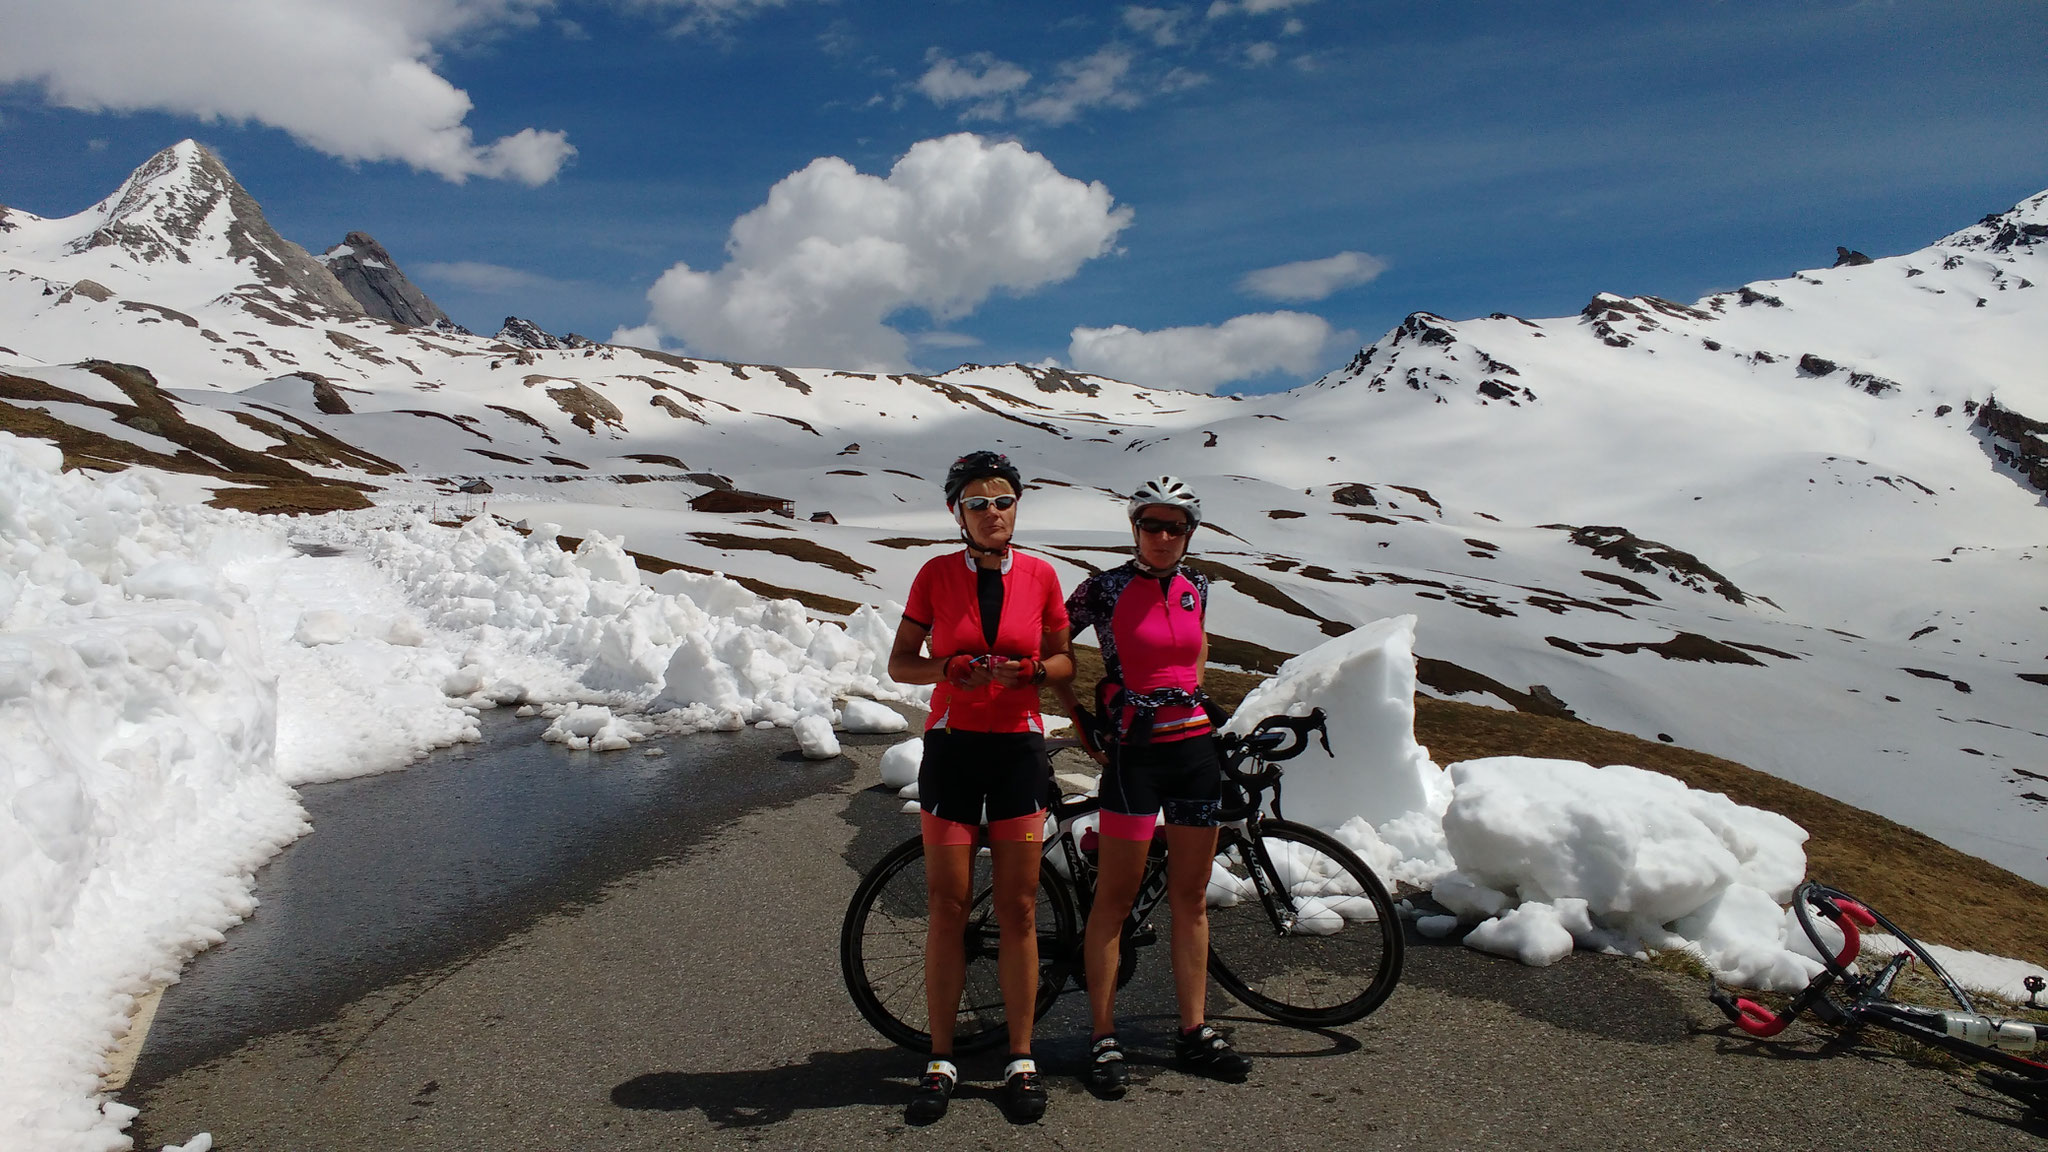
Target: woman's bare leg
(1118, 873)
(949, 872)
(1016, 897)
(1190, 852)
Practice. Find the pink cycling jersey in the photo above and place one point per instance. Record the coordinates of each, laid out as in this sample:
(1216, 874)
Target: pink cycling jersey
(1150, 629)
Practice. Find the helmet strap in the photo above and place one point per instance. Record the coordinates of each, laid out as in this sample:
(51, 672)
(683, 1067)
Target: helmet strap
(967, 538)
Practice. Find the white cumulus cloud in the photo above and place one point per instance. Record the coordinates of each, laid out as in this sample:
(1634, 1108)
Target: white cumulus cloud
(1313, 279)
(813, 275)
(1201, 359)
(352, 78)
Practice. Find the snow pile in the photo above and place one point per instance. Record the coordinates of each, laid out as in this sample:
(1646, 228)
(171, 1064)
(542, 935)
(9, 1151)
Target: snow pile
(548, 624)
(1555, 853)
(139, 789)
(1543, 856)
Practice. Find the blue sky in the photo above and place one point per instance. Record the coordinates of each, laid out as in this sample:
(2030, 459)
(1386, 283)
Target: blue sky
(1477, 157)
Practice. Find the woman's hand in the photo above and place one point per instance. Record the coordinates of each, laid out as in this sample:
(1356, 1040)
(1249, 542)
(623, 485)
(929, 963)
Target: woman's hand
(970, 671)
(1088, 746)
(1021, 673)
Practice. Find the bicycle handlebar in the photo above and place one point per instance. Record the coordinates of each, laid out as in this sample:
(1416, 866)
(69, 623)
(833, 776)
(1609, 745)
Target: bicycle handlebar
(1278, 738)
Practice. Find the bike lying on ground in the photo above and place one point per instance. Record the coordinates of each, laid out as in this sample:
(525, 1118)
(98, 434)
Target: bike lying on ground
(1846, 996)
(1299, 928)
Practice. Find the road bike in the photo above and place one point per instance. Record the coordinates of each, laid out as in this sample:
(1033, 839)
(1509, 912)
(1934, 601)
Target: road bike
(1848, 996)
(1299, 928)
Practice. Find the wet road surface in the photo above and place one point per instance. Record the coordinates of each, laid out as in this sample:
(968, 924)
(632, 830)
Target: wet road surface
(671, 980)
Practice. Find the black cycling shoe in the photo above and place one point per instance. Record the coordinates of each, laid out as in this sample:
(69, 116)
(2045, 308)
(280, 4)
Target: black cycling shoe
(1204, 1050)
(1107, 1075)
(934, 1091)
(1023, 1096)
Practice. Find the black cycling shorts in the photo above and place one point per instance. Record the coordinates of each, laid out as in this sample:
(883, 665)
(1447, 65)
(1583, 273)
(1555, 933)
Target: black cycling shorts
(1184, 778)
(964, 773)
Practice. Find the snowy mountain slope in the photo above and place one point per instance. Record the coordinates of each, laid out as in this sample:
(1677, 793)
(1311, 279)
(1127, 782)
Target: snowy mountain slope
(1799, 524)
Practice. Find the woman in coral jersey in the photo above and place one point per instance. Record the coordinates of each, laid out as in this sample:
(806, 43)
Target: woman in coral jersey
(996, 630)
(1161, 755)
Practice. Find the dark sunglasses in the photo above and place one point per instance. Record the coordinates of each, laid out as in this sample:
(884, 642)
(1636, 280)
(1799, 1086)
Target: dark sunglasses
(979, 503)
(1165, 527)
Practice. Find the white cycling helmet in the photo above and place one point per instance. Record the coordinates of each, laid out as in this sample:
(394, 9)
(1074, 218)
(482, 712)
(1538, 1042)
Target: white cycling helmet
(1170, 492)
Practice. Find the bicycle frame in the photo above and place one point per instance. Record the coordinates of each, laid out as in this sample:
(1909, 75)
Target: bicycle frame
(1276, 738)
(1865, 999)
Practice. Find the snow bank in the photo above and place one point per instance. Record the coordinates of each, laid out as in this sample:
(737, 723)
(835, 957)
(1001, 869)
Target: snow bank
(139, 789)
(167, 671)
(543, 624)
(1555, 852)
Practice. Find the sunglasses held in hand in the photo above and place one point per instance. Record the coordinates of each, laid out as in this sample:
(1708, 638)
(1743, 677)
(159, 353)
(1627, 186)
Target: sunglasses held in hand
(1164, 527)
(981, 503)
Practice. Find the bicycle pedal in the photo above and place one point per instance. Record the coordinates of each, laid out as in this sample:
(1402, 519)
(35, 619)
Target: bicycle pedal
(1144, 936)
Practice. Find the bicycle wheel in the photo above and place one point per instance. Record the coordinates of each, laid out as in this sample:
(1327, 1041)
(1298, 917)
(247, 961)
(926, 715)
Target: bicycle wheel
(1299, 928)
(881, 950)
(1826, 938)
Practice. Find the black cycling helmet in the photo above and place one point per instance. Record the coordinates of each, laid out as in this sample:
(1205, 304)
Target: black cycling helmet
(982, 465)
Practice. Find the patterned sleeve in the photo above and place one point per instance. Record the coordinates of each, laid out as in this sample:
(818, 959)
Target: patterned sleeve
(1201, 590)
(1081, 609)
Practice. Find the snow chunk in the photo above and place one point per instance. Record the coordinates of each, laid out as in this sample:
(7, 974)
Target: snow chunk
(814, 737)
(1365, 682)
(901, 762)
(1531, 933)
(859, 715)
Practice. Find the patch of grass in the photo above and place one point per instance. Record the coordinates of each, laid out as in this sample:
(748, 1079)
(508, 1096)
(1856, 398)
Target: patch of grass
(808, 551)
(290, 499)
(1682, 962)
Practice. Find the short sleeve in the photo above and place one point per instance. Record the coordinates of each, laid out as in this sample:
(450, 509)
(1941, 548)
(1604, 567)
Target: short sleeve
(1202, 592)
(1055, 611)
(917, 607)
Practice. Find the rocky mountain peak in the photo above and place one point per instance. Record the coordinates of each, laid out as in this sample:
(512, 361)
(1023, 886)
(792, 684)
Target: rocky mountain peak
(2023, 226)
(373, 278)
(184, 197)
(526, 334)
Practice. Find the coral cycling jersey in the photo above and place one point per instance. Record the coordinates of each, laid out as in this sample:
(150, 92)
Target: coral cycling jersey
(1150, 629)
(945, 601)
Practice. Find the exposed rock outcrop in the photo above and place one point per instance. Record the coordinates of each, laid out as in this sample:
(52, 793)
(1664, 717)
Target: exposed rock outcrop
(526, 334)
(373, 279)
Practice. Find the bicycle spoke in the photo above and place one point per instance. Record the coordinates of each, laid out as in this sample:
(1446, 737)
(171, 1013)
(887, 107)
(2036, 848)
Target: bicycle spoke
(1299, 929)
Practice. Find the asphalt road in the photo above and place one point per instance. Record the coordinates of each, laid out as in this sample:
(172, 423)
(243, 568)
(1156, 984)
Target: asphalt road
(662, 972)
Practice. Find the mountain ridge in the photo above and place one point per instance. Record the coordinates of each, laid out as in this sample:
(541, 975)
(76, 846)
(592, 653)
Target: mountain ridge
(1559, 500)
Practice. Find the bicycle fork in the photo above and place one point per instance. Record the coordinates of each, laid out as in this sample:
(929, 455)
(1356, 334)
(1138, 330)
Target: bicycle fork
(1279, 905)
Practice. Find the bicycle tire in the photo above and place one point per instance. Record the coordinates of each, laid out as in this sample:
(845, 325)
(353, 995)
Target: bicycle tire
(1319, 944)
(881, 951)
(1803, 912)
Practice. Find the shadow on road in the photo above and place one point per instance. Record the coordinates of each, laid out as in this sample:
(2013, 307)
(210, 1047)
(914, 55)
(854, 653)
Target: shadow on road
(750, 1099)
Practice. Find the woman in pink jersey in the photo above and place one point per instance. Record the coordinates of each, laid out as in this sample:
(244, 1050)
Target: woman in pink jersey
(1148, 617)
(993, 623)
